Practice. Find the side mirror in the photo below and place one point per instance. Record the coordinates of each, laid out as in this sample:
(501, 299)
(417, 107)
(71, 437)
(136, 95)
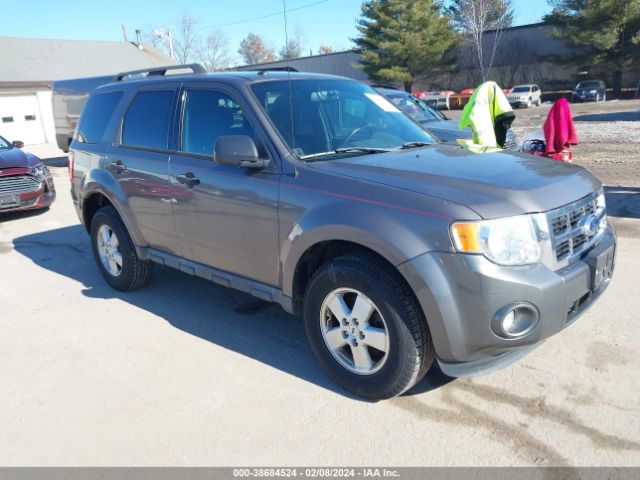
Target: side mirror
(239, 151)
(18, 144)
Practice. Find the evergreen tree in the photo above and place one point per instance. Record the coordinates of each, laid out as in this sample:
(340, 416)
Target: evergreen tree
(402, 39)
(601, 31)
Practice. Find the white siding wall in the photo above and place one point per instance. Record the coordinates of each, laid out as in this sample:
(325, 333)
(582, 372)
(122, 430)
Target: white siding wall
(27, 115)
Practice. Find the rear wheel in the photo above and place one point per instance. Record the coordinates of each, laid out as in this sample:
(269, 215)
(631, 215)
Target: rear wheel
(366, 328)
(115, 253)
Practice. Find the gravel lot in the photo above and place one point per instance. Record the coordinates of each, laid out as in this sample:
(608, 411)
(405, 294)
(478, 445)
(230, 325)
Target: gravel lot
(184, 372)
(609, 135)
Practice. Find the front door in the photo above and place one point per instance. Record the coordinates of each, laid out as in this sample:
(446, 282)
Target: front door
(225, 216)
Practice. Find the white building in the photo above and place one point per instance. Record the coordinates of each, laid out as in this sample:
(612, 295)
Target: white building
(30, 66)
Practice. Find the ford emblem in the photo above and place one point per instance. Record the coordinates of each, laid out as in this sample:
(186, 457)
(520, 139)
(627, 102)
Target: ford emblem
(589, 225)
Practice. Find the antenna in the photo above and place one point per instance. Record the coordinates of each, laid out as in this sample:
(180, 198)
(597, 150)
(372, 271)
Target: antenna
(286, 61)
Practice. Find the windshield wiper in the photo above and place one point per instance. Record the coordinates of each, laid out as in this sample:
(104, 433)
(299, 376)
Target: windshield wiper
(314, 156)
(362, 150)
(408, 145)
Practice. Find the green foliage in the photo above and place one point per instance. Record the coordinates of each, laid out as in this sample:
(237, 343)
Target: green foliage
(402, 39)
(601, 31)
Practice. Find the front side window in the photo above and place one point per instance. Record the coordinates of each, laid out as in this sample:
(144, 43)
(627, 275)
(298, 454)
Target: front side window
(146, 123)
(207, 116)
(96, 115)
(317, 117)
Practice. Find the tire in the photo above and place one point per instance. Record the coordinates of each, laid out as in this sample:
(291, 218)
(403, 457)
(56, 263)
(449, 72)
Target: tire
(597, 98)
(132, 273)
(604, 97)
(538, 102)
(395, 311)
(529, 103)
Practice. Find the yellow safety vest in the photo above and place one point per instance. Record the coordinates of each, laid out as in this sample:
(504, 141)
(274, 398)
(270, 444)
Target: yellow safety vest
(486, 104)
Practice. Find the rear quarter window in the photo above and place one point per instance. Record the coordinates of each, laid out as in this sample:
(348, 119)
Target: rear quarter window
(96, 116)
(146, 123)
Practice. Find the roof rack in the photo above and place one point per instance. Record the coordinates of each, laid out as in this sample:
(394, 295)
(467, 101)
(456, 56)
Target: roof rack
(276, 69)
(160, 71)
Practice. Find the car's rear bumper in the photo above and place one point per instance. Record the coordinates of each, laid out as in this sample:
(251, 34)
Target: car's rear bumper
(461, 296)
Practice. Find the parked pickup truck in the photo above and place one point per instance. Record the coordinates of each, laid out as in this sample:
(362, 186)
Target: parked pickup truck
(315, 192)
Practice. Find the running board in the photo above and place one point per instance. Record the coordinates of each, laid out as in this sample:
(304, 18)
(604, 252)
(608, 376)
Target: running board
(220, 277)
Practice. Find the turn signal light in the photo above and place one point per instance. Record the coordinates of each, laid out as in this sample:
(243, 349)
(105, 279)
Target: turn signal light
(465, 236)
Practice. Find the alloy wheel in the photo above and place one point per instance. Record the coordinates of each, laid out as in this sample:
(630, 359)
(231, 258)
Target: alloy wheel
(354, 331)
(109, 250)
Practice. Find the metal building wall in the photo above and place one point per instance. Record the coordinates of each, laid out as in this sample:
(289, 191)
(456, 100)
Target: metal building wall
(339, 63)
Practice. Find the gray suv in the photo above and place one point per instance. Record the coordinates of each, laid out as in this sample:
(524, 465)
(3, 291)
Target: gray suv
(317, 193)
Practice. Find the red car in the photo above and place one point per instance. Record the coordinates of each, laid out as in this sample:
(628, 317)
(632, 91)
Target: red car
(25, 182)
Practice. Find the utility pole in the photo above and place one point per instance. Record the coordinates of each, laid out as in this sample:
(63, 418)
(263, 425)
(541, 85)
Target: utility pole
(163, 33)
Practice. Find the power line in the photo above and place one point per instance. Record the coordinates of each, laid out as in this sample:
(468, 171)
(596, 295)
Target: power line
(265, 16)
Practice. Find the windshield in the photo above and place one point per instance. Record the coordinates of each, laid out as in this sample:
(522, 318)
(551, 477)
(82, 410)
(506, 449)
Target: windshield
(431, 113)
(588, 85)
(5, 144)
(317, 117)
(521, 89)
(413, 107)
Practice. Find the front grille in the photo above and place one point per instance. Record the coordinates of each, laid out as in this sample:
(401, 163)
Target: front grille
(18, 184)
(568, 239)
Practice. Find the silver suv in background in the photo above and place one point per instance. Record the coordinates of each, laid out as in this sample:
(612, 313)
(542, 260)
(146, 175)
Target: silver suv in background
(525, 96)
(317, 193)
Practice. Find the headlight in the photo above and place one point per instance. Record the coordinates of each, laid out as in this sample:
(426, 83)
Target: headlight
(40, 171)
(506, 241)
(593, 91)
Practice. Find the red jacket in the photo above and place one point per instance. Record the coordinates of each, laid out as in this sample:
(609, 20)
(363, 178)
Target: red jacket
(559, 131)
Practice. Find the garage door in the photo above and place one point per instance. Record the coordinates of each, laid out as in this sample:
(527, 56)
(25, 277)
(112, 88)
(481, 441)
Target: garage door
(20, 119)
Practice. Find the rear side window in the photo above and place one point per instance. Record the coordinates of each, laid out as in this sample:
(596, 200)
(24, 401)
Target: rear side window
(146, 123)
(96, 116)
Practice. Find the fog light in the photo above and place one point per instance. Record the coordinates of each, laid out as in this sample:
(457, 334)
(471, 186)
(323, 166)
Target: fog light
(515, 320)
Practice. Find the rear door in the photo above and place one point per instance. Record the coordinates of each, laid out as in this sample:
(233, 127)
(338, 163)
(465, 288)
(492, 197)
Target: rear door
(225, 216)
(139, 160)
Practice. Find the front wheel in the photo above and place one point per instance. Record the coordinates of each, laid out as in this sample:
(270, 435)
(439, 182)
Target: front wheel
(366, 328)
(529, 103)
(115, 253)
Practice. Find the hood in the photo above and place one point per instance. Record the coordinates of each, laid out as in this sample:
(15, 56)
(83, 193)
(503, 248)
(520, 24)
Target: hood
(447, 130)
(15, 157)
(493, 184)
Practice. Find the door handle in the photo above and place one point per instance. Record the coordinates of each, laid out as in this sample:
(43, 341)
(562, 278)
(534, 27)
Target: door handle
(188, 179)
(118, 166)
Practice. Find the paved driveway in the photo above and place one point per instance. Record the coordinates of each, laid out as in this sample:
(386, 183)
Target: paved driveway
(185, 372)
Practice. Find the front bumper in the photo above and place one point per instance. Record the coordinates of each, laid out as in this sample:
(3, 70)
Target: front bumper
(42, 197)
(460, 295)
(585, 97)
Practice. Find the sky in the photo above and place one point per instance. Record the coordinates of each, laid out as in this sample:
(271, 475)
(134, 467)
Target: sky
(328, 22)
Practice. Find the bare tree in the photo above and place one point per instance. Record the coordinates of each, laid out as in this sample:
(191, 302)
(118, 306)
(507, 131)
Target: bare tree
(185, 38)
(253, 50)
(213, 53)
(474, 18)
(325, 49)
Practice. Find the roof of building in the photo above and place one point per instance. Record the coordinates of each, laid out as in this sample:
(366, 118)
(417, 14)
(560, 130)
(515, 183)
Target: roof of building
(43, 60)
